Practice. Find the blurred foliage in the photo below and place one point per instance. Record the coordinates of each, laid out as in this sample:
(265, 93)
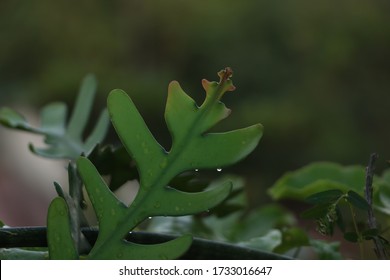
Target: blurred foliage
(317, 177)
(316, 74)
(269, 228)
(342, 197)
(64, 140)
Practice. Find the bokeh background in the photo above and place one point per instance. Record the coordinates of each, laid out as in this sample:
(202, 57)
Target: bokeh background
(316, 74)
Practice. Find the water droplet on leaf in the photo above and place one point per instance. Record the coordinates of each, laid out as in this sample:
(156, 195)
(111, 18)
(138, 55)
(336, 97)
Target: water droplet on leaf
(219, 169)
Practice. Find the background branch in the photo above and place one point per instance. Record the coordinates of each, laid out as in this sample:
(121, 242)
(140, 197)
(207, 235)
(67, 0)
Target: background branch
(379, 249)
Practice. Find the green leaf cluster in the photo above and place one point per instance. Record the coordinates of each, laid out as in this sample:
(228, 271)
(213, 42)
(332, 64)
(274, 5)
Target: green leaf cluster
(327, 209)
(269, 228)
(334, 191)
(64, 139)
(317, 177)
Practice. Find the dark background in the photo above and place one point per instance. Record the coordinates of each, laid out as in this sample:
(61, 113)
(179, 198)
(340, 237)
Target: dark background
(316, 74)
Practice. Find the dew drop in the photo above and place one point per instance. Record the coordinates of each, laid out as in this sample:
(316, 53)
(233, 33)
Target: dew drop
(196, 170)
(219, 169)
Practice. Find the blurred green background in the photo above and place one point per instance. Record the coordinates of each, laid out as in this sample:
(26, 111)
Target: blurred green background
(316, 74)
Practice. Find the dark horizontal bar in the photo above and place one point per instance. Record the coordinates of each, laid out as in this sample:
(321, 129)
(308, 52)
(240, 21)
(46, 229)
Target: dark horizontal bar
(200, 249)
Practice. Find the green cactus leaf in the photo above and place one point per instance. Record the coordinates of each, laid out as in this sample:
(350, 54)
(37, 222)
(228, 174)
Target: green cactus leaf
(63, 140)
(193, 146)
(59, 236)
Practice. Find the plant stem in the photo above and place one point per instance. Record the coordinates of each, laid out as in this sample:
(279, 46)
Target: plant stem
(379, 249)
(368, 191)
(78, 219)
(360, 239)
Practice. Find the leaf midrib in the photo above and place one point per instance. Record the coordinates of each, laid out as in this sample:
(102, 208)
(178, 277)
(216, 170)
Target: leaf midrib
(162, 178)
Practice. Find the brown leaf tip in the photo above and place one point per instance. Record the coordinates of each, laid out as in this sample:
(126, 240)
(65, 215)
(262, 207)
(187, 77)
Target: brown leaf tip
(225, 74)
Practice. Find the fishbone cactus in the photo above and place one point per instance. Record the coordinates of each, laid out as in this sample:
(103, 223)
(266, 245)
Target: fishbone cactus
(193, 147)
